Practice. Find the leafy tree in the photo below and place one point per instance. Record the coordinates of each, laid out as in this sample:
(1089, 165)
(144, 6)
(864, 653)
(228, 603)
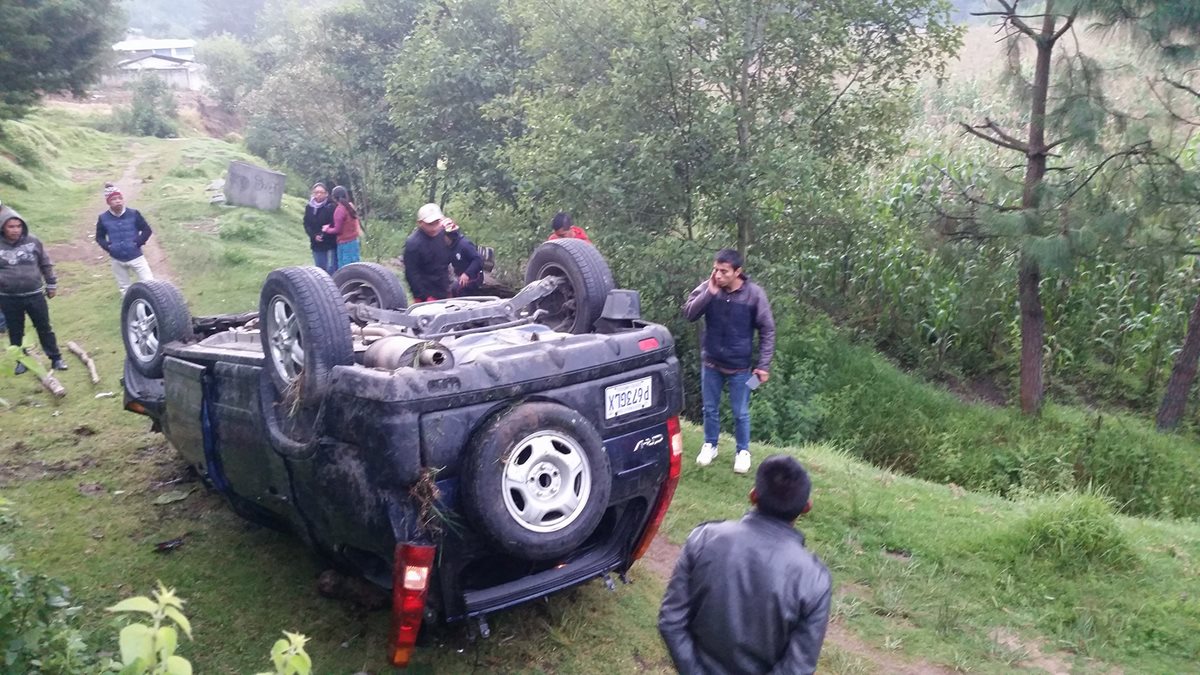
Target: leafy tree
(152, 111)
(1174, 27)
(361, 41)
(49, 46)
(321, 109)
(233, 70)
(1051, 219)
(447, 89)
(702, 116)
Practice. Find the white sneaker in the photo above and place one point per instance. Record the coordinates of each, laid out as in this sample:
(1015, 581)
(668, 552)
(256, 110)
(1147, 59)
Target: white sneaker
(741, 461)
(708, 452)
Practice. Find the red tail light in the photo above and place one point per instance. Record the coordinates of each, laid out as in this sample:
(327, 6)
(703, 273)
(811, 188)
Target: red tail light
(646, 344)
(667, 492)
(410, 583)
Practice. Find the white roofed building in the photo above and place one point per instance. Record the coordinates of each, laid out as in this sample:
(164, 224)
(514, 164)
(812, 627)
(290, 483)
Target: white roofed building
(173, 61)
(180, 49)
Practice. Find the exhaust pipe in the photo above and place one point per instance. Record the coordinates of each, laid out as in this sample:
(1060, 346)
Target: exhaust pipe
(403, 351)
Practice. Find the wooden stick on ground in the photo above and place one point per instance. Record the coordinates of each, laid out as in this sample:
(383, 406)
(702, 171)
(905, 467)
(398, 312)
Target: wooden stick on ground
(49, 381)
(87, 360)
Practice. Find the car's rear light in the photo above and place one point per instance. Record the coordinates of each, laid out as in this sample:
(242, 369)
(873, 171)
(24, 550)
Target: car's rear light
(647, 344)
(134, 406)
(410, 583)
(667, 492)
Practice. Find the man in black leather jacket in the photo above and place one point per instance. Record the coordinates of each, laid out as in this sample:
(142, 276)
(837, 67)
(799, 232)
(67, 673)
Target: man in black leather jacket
(746, 596)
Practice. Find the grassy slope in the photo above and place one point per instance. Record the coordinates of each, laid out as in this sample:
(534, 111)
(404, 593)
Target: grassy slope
(956, 580)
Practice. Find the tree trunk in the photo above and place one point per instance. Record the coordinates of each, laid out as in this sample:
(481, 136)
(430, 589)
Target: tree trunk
(1033, 319)
(1183, 374)
(432, 185)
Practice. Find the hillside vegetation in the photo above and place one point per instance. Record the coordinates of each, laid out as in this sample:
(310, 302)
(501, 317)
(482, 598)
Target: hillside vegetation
(928, 574)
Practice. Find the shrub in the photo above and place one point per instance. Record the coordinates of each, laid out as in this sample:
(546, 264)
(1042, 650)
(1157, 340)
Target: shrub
(242, 232)
(854, 398)
(39, 624)
(13, 175)
(152, 112)
(235, 256)
(1073, 531)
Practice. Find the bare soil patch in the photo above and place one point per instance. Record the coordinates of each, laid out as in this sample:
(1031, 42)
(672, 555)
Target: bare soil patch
(1032, 649)
(20, 471)
(83, 248)
(660, 557)
(984, 389)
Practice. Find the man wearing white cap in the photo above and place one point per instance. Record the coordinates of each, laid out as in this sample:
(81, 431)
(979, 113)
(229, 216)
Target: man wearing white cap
(427, 257)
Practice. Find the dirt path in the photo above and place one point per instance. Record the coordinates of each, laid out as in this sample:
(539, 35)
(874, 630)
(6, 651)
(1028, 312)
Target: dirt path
(82, 247)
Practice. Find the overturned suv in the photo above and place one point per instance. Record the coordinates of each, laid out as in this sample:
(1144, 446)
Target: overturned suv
(469, 454)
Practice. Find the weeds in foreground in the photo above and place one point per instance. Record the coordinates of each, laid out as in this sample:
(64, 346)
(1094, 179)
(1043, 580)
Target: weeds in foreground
(149, 648)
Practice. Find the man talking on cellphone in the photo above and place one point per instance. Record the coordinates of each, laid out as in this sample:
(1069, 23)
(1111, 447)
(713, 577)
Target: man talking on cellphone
(733, 308)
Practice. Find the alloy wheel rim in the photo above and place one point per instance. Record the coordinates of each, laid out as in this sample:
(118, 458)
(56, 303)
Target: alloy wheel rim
(546, 482)
(285, 340)
(142, 330)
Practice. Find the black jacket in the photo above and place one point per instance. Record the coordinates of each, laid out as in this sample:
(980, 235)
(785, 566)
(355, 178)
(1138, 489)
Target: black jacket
(314, 220)
(746, 597)
(427, 266)
(464, 257)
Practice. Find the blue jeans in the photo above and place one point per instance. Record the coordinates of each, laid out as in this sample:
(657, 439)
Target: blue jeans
(712, 383)
(326, 260)
(348, 253)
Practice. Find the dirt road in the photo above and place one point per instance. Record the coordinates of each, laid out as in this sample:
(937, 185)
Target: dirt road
(82, 247)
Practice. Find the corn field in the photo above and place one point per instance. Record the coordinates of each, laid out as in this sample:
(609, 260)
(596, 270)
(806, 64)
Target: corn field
(1112, 326)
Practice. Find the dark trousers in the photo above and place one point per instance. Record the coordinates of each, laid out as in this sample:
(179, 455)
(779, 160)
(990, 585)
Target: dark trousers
(15, 309)
(326, 260)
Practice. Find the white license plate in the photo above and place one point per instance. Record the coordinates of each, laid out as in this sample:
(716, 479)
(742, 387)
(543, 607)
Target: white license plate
(622, 399)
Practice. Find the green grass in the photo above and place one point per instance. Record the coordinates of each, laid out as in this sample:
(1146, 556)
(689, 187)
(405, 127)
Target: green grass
(824, 388)
(923, 571)
(70, 162)
(940, 569)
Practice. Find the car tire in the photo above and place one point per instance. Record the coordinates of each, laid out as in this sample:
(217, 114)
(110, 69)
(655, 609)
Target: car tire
(537, 481)
(305, 332)
(370, 284)
(153, 314)
(576, 305)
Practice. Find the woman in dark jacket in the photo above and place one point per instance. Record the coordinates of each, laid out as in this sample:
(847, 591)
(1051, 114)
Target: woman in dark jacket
(26, 280)
(317, 214)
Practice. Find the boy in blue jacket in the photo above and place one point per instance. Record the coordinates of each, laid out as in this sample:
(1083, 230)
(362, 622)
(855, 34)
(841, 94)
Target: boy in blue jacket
(122, 232)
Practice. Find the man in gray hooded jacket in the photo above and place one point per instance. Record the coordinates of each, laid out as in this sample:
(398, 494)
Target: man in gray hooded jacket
(746, 596)
(26, 280)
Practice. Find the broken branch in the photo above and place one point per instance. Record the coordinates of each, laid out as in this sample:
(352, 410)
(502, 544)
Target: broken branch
(87, 361)
(975, 131)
